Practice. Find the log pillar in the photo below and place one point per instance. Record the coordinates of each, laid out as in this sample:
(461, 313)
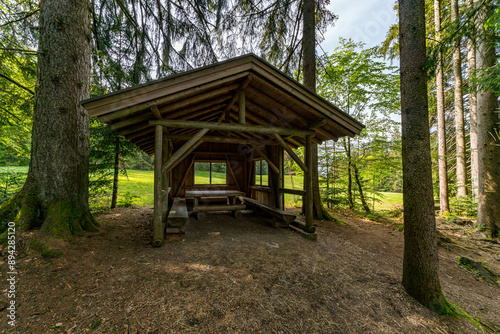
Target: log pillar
(158, 228)
(279, 195)
(165, 180)
(308, 186)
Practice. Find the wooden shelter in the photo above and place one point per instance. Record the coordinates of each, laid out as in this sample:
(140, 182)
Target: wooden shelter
(235, 113)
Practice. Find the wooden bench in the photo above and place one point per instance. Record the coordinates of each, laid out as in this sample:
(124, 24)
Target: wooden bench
(280, 218)
(177, 217)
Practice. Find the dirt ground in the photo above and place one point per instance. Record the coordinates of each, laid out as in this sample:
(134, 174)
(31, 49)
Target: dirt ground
(228, 275)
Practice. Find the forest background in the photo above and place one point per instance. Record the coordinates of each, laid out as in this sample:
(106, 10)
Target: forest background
(138, 41)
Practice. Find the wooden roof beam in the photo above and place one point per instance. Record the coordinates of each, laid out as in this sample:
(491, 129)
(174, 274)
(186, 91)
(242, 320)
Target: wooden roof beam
(291, 153)
(264, 156)
(156, 112)
(319, 123)
(183, 151)
(311, 102)
(262, 104)
(140, 130)
(200, 101)
(260, 121)
(233, 127)
(141, 98)
(236, 96)
(217, 139)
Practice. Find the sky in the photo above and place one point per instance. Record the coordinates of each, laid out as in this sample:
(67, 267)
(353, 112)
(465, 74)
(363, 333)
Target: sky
(363, 21)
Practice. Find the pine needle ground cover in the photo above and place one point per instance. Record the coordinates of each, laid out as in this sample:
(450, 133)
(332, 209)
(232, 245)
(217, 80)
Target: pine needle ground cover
(228, 275)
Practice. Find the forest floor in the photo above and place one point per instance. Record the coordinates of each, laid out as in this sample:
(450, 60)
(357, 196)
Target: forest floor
(243, 276)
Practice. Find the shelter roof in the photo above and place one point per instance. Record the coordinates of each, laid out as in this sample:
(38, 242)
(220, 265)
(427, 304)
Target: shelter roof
(211, 94)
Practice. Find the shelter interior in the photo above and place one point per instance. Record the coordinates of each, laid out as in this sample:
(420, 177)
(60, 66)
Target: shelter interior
(230, 122)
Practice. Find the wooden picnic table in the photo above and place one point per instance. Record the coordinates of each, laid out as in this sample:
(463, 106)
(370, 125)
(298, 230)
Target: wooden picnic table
(231, 195)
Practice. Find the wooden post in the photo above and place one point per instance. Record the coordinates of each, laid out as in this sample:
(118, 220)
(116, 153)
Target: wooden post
(165, 178)
(308, 186)
(241, 108)
(158, 208)
(280, 196)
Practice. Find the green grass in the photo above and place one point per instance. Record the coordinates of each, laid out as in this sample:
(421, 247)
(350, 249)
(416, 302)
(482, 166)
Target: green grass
(140, 185)
(389, 200)
(203, 177)
(298, 184)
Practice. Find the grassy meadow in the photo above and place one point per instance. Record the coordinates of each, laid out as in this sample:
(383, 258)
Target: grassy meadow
(136, 187)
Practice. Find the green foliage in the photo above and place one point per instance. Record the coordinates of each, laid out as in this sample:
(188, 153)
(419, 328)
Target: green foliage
(464, 206)
(11, 181)
(18, 38)
(357, 81)
(127, 199)
(102, 158)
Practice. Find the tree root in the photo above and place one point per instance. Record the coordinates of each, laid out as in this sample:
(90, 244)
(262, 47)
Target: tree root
(59, 219)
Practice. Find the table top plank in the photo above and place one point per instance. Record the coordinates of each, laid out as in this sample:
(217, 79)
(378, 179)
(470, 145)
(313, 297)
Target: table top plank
(213, 193)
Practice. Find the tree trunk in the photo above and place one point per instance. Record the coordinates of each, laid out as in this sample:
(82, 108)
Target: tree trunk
(55, 196)
(360, 189)
(459, 108)
(309, 45)
(309, 64)
(443, 164)
(116, 172)
(334, 165)
(487, 131)
(421, 261)
(347, 147)
(327, 168)
(471, 58)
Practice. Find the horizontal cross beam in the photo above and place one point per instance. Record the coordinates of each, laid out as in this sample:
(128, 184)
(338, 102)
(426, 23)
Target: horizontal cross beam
(229, 140)
(233, 127)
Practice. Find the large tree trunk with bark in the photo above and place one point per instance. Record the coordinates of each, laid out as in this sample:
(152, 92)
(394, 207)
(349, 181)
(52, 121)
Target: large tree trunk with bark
(471, 58)
(55, 196)
(421, 261)
(309, 68)
(488, 212)
(459, 108)
(441, 123)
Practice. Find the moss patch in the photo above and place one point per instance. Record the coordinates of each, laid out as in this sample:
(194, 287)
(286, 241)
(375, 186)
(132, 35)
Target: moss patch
(47, 251)
(30, 213)
(63, 220)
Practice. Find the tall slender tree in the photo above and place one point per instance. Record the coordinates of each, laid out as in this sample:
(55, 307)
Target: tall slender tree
(471, 59)
(441, 123)
(55, 196)
(459, 107)
(487, 130)
(421, 261)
